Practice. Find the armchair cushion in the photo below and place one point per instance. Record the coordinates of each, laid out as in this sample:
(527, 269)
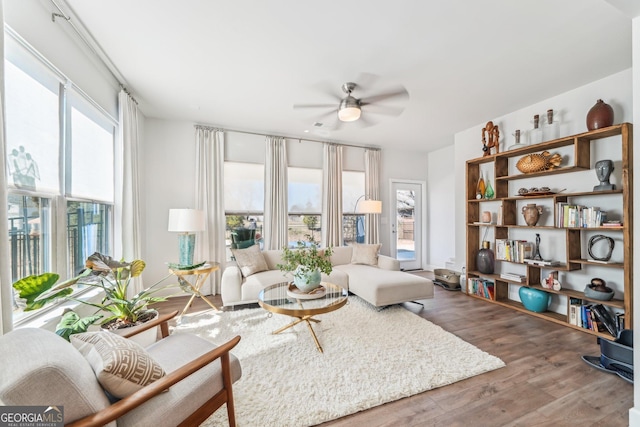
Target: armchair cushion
(40, 368)
(121, 365)
(365, 254)
(250, 260)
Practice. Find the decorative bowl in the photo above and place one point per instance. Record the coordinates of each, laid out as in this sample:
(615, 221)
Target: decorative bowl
(534, 299)
(591, 293)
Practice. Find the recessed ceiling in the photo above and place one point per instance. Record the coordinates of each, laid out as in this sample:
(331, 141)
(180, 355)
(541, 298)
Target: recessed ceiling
(244, 64)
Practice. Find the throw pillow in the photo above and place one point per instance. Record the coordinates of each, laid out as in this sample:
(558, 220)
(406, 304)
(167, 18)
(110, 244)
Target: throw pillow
(365, 254)
(121, 366)
(250, 260)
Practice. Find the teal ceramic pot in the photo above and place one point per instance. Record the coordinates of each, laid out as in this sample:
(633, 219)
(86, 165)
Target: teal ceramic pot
(533, 299)
(306, 281)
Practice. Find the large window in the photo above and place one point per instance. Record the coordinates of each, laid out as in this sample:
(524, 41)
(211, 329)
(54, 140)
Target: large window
(60, 167)
(352, 191)
(305, 203)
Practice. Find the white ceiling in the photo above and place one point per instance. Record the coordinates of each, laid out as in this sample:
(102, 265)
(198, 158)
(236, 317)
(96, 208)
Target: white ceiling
(243, 64)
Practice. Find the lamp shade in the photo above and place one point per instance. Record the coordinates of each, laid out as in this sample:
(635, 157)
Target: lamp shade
(186, 220)
(369, 207)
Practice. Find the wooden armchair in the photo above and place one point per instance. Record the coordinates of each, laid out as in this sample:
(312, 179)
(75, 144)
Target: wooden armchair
(40, 368)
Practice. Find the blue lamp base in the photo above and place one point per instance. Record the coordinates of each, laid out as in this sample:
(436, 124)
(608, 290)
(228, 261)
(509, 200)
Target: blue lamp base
(186, 244)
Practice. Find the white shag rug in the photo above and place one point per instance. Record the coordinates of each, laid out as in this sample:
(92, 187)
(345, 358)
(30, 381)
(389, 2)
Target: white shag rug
(370, 357)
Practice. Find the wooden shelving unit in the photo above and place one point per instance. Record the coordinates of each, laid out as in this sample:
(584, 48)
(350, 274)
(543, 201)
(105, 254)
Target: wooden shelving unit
(575, 252)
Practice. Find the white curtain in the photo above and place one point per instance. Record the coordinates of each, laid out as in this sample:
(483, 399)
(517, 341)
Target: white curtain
(6, 306)
(372, 191)
(129, 193)
(332, 195)
(210, 244)
(275, 194)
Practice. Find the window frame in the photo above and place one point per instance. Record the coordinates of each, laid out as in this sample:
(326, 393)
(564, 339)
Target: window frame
(56, 256)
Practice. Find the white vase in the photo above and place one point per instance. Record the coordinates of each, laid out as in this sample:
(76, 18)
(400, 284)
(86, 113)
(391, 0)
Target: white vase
(306, 280)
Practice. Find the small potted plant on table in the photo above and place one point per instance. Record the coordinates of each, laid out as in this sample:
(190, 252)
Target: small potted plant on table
(306, 261)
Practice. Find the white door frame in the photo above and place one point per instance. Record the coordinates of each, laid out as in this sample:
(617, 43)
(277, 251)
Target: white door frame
(423, 225)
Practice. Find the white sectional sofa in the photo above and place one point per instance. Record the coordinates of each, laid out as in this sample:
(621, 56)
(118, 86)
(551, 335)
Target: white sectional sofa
(377, 280)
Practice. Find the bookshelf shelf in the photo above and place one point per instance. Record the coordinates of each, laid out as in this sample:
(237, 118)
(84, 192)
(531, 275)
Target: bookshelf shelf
(575, 253)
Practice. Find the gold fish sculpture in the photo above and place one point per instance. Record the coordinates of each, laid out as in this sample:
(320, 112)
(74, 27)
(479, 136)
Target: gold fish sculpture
(538, 162)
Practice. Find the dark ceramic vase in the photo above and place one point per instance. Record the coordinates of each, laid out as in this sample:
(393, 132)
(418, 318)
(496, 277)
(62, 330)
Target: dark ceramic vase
(600, 116)
(485, 260)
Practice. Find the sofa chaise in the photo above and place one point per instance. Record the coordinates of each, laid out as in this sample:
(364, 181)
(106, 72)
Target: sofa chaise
(359, 268)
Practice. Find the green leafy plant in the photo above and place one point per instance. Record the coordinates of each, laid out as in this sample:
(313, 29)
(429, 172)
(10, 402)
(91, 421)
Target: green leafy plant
(103, 272)
(306, 257)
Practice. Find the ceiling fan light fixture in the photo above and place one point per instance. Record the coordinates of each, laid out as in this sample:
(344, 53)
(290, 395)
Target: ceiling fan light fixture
(349, 110)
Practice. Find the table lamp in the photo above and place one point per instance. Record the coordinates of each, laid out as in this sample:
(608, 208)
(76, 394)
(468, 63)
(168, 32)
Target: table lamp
(186, 222)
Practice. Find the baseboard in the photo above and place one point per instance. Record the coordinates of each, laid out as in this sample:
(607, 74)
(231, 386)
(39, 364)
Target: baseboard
(634, 417)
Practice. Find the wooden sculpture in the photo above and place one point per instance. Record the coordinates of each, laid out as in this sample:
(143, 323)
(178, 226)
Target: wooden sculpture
(490, 137)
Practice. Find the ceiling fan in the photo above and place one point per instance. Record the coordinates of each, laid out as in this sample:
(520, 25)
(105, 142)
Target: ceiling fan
(351, 109)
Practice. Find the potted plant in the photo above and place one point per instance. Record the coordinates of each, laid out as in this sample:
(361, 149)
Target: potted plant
(103, 272)
(306, 261)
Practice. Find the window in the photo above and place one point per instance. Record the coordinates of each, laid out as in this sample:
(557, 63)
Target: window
(352, 190)
(305, 203)
(244, 203)
(60, 155)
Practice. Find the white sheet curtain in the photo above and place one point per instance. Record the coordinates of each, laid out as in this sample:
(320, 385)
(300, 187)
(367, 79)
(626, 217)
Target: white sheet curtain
(210, 244)
(129, 193)
(6, 309)
(332, 195)
(372, 191)
(276, 216)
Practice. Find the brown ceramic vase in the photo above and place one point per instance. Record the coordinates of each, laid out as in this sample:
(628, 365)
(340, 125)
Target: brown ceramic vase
(600, 116)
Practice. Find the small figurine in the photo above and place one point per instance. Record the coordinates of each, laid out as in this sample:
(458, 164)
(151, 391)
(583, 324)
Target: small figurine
(551, 282)
(603, 172)
(490, 138)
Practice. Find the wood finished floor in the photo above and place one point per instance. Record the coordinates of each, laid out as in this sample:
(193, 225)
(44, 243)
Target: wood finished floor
(544, 383)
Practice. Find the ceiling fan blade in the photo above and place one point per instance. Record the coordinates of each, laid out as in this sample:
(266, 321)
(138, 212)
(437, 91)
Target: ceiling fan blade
(399, 94)
(382, 109)
(301, 106)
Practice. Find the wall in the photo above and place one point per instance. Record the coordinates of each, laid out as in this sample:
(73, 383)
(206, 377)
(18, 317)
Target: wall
(396, 164)
(634, 413)
(572, 107)
(169, 176)
(441, 196)
(59, 44)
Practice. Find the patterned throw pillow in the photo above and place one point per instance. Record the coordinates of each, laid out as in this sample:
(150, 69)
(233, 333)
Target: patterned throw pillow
(250, 260)
(365, 254)
(121, 366)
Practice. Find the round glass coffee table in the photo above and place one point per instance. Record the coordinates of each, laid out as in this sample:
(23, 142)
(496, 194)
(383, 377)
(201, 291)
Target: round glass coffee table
(281, 299)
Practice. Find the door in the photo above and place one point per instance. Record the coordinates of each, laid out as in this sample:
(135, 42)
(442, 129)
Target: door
(406, 223)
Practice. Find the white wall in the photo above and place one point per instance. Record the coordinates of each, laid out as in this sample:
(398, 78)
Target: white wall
(573, 107)
(634, 413)
(57, 42)
(441, 197)
(396, 164)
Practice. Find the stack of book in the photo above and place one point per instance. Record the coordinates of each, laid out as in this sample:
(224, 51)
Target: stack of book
(481, 287)
(577, 216)
(513, 277)
(513, 250)
(541, 262)
(595, 317)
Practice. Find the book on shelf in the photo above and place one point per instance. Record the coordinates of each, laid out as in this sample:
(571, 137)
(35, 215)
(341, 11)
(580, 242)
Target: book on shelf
(513, 277)
(543, 263)
(612, 224)
(605, 317)
(480, 287)
(578, 216)
(513, 250)
(574, 311)
(620, 321)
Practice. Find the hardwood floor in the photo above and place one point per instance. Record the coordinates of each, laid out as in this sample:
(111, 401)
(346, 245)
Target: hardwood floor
(545, 382)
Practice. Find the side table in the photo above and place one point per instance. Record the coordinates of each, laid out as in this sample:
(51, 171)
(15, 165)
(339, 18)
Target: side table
(192, 280)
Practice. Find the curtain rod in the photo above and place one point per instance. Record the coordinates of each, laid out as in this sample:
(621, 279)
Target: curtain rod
(92, 45)
(197, 126)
